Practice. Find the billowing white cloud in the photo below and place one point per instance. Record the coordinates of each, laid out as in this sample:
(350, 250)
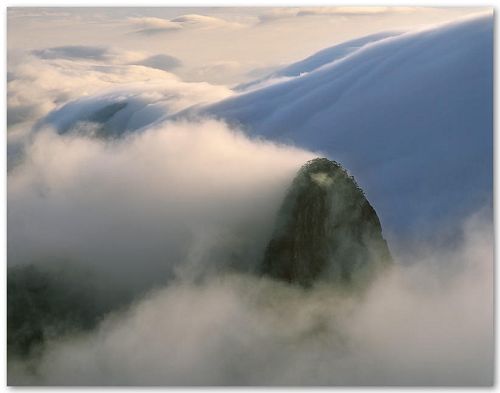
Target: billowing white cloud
(191, 205)
(32, 12)
(218, 71)
(161, 62)
(38, 86)
(291, 12)
(153, 25)
(198, 36)
(203, 21)
(415, 326)
(353, 102)
(139, 206)
(95, 54)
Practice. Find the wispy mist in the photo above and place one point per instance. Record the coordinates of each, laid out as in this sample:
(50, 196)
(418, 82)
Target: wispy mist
(413, 327)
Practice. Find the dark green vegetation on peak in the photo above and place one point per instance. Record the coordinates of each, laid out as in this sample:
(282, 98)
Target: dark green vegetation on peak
(325, 228)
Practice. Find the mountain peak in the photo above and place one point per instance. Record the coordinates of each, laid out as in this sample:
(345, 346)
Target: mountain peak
(326, 228)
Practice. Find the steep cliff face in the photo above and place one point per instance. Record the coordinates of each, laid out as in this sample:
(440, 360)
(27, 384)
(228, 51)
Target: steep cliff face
(325, 229)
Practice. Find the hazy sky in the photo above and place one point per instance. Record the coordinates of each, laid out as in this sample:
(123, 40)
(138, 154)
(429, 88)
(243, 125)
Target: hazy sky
(217, 45)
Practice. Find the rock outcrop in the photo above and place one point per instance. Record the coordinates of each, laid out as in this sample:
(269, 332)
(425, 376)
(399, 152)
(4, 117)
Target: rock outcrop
(325, 229)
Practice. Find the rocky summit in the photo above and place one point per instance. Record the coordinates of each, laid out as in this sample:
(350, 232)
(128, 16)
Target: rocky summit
(325, 230)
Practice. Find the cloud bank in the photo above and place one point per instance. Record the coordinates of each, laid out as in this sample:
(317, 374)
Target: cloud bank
(161, 62)
(179, 215)
(77, 52)
(385, 110)
(414, 327)
(292, 12)
(152, 25)
(139, 206)
(39, 86)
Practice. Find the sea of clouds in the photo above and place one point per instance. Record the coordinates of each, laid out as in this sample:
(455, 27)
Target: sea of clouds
(178, 213)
